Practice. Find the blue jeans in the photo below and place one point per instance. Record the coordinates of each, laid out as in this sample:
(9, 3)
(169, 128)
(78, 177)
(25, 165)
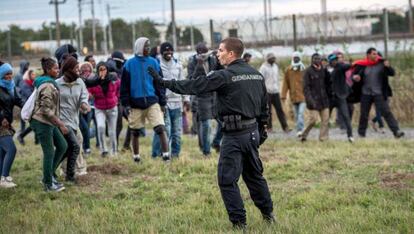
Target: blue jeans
(173, 124)
(204, 128)
(7, 154)
(219, 135)
(84, 123)
(299, 115)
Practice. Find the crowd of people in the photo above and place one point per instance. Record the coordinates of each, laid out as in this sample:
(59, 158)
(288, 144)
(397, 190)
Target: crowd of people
(74, 101)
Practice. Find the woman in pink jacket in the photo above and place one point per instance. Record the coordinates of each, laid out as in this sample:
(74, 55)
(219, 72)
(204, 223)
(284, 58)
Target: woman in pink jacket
(106, 96)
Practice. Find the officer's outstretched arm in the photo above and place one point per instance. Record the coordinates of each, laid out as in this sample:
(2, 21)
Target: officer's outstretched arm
(203, 84)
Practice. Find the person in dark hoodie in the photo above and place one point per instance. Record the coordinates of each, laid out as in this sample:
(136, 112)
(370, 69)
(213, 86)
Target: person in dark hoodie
(143, 98)
(340, 92)
(8, 99)
(46, 124)
(371, 77)
(65, 49)
(106, 96)
(202, 105)
(24, 66)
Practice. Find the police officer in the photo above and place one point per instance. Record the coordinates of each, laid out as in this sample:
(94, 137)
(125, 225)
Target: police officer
(242, 107)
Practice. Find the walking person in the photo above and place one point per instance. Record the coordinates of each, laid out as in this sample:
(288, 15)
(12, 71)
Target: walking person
(371, 77)
(202, 105)
(142, 98)
(46, 124)
(340, 92)
(74, 97)
(171, 70)
(270, 72)
(242, 106)
(26, 89)
(18, 81)
(316, 86)
(293, 84)
(8, 99)
(105, 97)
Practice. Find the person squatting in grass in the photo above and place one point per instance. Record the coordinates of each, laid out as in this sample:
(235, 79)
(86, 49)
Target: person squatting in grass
(46, 124)
(142, 98)
(8, 99)
(73, 97)
(242, 106)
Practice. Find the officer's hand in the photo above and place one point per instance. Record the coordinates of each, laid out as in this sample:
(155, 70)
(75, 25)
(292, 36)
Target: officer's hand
(157, 78)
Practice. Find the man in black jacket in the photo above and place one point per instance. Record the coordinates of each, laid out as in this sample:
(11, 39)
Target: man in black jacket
(340, 92)
(372, 76)
(242, 106)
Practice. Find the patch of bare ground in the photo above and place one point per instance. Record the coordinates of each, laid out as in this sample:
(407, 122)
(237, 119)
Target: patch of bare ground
(397, 180)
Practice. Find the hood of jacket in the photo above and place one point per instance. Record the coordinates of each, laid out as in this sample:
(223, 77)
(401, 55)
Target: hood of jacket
(24, 66)
(139, 46)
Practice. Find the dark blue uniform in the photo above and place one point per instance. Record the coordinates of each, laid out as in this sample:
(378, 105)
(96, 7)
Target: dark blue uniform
(241, 93)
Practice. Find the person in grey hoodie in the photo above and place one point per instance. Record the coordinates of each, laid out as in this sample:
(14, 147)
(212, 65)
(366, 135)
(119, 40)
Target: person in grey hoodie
(73, 97)
(172, 70)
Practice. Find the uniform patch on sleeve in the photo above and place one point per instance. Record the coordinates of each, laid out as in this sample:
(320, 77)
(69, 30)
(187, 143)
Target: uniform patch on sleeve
(209, 74)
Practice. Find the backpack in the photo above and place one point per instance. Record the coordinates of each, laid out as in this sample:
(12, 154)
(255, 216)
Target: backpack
(28, 107)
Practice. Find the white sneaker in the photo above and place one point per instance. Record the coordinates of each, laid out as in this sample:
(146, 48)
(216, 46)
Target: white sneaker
(136, 158)
(299, 134)
(351, 139)
(7, 182)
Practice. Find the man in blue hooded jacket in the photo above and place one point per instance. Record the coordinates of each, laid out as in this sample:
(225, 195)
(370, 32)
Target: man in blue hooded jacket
(143, 98)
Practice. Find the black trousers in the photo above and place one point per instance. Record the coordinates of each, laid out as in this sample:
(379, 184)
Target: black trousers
(71, 153)
(344, 114)
(274, 99)
(239, 155)
(382, 106)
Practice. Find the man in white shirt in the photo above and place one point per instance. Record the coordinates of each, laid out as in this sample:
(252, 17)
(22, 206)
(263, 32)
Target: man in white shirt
(270, 72)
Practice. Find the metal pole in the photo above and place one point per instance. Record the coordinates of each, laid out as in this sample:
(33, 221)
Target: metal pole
(192, 37)
(270, 18)
(386, 32)
(174, 33)
(265, 20)
(93, 26)
(295, 42)
(211, 33)
(57, 22)
(9, 49)
(111, 42)
(410, 16)
(80, 26)
(133, 35)
(105, 49)
(71, 33)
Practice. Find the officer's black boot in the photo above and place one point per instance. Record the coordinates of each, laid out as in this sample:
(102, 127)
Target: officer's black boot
(240, 226)
(269, 218)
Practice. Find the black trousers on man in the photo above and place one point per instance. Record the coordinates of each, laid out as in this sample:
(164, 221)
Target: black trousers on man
(382, 105)
(71, 153)
(239, 155)
(274, 99)
(344, 113)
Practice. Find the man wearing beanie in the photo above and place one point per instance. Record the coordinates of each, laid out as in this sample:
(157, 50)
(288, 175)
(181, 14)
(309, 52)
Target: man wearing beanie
(73, 96)
(143, 97)
(172, 70)
(270, 72)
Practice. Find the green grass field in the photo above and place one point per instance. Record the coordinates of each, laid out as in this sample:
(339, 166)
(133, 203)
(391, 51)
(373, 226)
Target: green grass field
(331, 187)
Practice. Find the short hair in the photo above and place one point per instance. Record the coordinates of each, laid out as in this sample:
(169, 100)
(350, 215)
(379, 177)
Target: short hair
(47, 64)
(369, 51)
(247, 55)
(314, 55)
(87, 57)
(234, 44)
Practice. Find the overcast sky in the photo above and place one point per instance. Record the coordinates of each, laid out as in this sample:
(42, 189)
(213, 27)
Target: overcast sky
(31, 13)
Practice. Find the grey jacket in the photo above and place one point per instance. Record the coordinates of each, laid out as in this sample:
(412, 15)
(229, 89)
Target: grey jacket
(72, 95)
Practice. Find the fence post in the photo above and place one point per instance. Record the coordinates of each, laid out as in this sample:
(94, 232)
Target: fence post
(211, 33)
(386, 32)
(295, 42)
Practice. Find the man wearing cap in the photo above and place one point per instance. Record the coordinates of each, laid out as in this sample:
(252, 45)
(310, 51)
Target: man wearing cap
(172, 70)
(340, 92)
(270, 72)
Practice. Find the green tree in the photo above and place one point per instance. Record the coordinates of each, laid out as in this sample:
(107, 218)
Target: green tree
(121, 32)
(185, 38)
(169, 36)
(146, 28)
(397, 24)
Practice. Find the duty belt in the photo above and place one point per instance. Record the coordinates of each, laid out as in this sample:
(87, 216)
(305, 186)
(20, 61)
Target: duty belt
(236, 123)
